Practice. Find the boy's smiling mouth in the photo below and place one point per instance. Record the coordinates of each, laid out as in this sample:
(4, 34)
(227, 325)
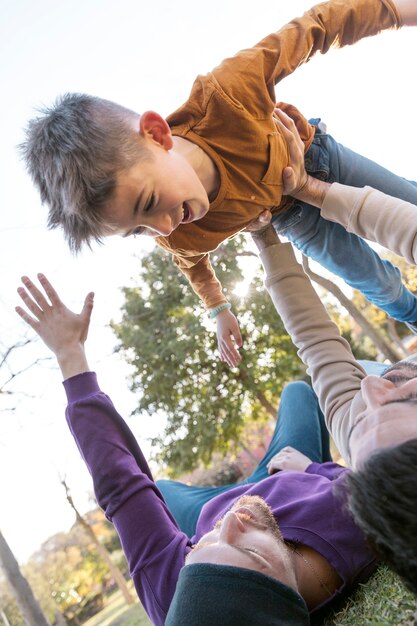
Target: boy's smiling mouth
(187, 214)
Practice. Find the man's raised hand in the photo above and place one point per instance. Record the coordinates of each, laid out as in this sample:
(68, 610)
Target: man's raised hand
(62, 330)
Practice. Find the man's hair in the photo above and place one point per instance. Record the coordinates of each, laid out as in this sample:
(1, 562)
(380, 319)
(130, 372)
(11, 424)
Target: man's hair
(383, 501)
(73, 152)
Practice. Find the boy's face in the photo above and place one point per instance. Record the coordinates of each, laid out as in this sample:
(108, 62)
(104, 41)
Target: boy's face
(158, 194)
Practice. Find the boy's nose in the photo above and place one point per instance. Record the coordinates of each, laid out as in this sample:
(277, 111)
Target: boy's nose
(161, 224)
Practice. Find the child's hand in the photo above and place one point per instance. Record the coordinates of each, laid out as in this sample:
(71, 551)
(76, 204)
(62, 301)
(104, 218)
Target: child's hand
(228, 328)
(288, 459)
(63, 331)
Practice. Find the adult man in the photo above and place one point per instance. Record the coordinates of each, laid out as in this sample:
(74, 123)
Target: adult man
(371, 418)
(240, 568)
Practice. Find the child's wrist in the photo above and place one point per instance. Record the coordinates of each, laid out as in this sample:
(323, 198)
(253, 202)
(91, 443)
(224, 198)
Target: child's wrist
(218, 309)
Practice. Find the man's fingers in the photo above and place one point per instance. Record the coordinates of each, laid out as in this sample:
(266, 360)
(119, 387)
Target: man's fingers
(285, 119)
(36, 294)
(27, 318)
(88, 307)
(49, 290)
(260, 222)
(31, 305)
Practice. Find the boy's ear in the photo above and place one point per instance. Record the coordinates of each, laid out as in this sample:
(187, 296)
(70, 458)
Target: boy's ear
(152, 125)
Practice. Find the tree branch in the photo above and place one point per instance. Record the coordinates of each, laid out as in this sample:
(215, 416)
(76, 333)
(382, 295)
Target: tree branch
(388, 350)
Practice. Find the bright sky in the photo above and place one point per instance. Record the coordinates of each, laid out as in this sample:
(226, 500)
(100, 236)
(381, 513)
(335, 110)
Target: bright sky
(145, 56)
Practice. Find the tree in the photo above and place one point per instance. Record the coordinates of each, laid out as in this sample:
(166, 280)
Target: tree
(115, 572)
(21, 589)
(164, 335)
(389, 349)
(22, 592)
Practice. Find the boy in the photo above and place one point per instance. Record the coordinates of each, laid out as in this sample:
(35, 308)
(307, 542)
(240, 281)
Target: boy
(216, 164)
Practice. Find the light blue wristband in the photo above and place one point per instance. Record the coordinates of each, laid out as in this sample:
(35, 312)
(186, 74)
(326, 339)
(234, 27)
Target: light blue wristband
(214, 312)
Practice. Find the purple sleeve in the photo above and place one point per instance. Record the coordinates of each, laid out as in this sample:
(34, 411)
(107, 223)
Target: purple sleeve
(328, 470)
(154, 546)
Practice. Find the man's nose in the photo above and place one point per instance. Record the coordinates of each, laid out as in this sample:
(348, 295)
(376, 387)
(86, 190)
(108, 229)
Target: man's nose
(231, 528)
(375, 390)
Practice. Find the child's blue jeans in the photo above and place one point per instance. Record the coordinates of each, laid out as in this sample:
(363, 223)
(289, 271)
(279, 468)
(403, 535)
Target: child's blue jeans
(343, 253)
(300, 424)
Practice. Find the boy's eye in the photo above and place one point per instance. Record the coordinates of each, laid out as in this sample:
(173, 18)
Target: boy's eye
(149, 204)
(137, 231)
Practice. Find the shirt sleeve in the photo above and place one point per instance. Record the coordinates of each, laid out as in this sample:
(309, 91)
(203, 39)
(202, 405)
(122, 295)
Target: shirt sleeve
(250, 76)
(200, 274)
(336, 375)
(328, 470)
(375, 216)
(154, 546)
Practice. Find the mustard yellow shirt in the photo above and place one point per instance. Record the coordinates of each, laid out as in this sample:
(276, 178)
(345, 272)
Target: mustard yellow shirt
(229, 114)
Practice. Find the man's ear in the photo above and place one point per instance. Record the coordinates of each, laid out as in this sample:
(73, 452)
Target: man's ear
(152, 125)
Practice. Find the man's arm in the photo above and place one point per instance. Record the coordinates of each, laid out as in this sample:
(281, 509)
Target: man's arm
(336, 375)
(366, 212)
(154, 546)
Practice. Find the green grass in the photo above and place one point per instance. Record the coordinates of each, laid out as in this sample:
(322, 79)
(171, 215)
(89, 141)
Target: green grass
(382, 601)
(117, 613)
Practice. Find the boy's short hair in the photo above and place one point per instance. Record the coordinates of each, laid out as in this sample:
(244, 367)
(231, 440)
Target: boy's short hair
(382, 498)
(73, 152)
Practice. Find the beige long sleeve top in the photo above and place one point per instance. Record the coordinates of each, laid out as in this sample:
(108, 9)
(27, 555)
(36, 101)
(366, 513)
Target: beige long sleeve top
(229, 114)
(375, 216)
(336, 375)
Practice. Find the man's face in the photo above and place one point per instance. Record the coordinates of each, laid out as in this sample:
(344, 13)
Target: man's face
(156, 195)
(390, 414)
(247, 536)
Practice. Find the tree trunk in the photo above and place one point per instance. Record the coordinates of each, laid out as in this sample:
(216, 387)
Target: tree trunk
(250, 454)
(4, 618)
(266, 404)
(115, 571)
(243, 375)
(28, 605)
(395, 338)
(388, 350)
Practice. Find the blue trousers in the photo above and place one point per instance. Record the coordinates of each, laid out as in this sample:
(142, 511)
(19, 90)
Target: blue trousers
(300, 424)
(343, 253)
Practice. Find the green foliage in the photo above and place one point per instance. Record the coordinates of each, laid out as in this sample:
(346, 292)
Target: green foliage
(67, 574)
(9, 606)
(164, 336)
(362, 348)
